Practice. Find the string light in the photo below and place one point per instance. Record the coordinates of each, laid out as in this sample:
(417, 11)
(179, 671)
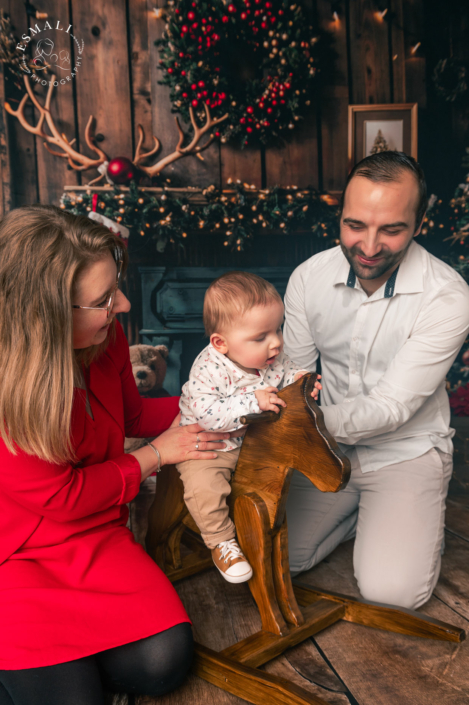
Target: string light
(414, 48)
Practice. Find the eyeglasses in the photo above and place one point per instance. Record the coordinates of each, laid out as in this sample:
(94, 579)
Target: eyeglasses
(109, 302)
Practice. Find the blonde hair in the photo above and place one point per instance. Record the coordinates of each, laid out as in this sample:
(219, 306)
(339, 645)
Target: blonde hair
(232, 295)
(43, 250)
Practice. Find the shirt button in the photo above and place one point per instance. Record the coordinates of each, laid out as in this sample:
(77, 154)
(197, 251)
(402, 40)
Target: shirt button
(354, 372)
(355, 339)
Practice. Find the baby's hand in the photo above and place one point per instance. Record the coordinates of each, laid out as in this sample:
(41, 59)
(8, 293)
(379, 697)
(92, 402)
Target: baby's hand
(268, 399)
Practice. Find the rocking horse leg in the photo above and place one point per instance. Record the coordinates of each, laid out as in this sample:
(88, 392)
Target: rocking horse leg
(254, 535)
(282, 578)
(173, 547)
(248, 683)
(166, 513)
(391, 619)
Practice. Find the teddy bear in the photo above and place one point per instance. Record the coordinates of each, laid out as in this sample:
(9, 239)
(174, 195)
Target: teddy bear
(149, 369)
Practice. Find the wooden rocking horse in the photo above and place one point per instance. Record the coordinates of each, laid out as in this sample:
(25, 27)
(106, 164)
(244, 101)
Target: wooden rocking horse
(274, 445)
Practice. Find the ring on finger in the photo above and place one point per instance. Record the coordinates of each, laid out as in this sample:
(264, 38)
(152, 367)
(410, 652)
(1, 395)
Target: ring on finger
(198, 439)
(197, 446)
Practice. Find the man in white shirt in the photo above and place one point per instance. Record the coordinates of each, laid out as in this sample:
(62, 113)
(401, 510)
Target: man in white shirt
(387, 319)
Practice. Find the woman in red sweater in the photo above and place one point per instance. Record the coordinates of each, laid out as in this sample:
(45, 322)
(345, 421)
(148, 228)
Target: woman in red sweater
(81, 603)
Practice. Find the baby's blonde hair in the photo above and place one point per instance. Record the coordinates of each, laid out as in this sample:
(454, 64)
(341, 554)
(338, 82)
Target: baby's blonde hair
(233, 294)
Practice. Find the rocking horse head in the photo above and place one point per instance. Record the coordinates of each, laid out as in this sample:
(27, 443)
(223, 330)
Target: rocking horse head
(295, 438)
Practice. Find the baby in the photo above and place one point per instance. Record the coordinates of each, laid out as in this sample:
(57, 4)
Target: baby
(238, 373)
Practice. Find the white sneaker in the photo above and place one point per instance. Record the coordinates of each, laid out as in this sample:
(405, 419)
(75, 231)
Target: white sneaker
(231, 562)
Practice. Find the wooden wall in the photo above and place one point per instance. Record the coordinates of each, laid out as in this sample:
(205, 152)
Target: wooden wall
(118, 84)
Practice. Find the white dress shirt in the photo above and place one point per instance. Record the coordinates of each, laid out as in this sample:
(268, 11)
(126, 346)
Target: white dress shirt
(219, 392)
(384, 357)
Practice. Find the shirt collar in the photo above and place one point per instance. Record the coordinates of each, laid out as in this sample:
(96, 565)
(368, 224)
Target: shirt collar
(406, 279)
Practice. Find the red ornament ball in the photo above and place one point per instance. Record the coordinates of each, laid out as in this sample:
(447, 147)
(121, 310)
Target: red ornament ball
(121, 170)
(191, 15)
(465, 358)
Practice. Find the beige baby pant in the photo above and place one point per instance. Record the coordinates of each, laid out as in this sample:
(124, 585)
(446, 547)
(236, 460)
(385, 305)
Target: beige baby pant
(206, 488)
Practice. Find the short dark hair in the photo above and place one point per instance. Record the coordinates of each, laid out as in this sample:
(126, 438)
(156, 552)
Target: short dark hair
(388, 166)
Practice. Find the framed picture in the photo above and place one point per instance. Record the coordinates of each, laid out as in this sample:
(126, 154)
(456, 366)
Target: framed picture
(378, 128)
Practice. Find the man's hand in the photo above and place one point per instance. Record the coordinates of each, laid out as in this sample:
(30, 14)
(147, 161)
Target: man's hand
(317, 388)
(317, 385)
(268, 399)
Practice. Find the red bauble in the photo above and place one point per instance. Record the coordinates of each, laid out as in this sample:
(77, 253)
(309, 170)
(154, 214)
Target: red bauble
(121, 170)
(465, 358)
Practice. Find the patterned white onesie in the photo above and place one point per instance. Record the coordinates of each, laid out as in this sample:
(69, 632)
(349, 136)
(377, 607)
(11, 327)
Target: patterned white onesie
(219, 392)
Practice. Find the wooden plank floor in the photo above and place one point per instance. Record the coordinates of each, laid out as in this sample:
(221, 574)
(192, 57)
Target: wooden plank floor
(346, 663)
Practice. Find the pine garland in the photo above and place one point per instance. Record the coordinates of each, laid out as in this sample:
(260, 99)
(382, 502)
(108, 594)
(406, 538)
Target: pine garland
(453, 221)
(235, 216)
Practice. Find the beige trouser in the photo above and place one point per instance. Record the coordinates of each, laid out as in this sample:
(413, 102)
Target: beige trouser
(397, 514)
(206, 487)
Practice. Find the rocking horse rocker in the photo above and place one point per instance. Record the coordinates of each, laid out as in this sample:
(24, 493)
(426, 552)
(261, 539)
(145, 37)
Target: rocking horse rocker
(257, 503)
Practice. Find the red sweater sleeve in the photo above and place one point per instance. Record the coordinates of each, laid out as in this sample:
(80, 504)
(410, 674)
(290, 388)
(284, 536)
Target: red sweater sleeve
(143, 417)
(63, 492)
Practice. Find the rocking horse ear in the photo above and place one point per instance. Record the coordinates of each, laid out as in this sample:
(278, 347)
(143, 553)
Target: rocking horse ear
(219, 343)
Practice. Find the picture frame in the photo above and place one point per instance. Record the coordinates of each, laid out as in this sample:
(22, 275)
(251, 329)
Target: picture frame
(380, 127)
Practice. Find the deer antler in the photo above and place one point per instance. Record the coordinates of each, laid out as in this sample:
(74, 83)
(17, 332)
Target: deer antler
(192, 148)
(76, 160)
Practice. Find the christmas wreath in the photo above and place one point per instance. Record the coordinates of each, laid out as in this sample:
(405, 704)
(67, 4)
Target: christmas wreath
(253, 59)
(450, 80)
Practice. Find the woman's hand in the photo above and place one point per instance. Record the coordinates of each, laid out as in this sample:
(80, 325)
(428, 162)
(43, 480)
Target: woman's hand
(190, 442)
(179, 443)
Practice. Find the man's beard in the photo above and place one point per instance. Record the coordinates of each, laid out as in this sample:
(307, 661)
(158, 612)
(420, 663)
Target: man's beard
(386, 262)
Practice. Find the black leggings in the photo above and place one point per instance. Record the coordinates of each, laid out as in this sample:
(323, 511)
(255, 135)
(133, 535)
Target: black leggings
(151, 666)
